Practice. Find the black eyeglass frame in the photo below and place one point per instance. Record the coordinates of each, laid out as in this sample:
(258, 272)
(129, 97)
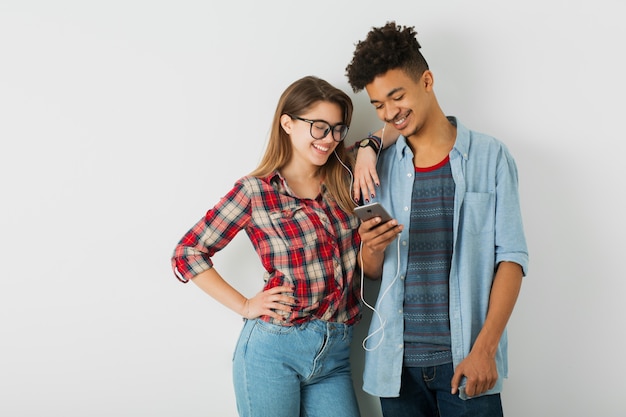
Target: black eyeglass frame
(330, 128)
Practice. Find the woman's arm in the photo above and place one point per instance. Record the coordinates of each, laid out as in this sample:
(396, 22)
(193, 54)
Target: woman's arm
(265, 303)
(365, 176)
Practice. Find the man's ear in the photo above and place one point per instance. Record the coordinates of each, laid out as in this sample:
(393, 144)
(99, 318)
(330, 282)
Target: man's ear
(428, 80)
(286, 123)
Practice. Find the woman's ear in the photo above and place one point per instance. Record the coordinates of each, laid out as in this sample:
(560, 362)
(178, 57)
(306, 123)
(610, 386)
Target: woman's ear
(286, 122)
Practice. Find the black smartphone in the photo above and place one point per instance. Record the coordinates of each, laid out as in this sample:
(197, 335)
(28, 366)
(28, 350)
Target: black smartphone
(371, 210)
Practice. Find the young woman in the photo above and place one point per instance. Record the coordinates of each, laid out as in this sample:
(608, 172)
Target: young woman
(292, 357)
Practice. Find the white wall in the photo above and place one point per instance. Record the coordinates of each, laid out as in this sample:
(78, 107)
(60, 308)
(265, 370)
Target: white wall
(122, 122)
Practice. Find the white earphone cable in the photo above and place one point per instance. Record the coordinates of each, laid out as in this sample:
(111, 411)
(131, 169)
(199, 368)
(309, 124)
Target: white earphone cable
(382, 321)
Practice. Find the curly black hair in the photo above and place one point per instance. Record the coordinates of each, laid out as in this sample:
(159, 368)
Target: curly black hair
(385, 48)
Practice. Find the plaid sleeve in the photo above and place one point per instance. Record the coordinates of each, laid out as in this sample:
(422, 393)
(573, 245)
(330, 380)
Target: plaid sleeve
(210, 234)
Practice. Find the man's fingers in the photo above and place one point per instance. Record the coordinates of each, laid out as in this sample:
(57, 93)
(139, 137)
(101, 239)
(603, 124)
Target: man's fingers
(456, 380)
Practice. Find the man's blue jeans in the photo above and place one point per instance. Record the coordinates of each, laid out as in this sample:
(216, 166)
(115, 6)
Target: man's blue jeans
(425, 392)
(291, 371)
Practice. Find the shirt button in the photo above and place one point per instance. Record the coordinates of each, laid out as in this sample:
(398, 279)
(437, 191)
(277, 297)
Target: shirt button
(407, 208)
(402, 277)
(404, 243)
(400, 311)
(409, 175)
(400, 346)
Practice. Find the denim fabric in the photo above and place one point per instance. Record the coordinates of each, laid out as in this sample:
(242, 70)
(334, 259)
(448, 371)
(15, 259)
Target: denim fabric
(425, 392)
(290, 371)
(487, 230)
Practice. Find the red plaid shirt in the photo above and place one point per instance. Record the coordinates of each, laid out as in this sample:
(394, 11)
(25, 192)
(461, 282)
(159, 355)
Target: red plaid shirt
(309, 244)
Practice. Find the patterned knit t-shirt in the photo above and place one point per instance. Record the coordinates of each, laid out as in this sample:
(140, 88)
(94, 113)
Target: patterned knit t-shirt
(426, 314)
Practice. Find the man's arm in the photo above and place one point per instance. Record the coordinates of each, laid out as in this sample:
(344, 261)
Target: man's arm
(479, 367)
(374, 240)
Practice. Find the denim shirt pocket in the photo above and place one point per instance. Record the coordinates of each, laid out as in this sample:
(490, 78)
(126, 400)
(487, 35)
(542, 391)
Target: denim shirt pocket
(478, 212)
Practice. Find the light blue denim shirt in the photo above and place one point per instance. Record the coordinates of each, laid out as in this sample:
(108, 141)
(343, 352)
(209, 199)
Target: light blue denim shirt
(487, 230)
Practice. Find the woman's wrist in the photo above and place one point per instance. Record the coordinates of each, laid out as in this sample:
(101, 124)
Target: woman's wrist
(245, 310)
(371, 141)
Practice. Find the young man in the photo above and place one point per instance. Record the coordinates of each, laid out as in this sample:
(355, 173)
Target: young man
(453, 258)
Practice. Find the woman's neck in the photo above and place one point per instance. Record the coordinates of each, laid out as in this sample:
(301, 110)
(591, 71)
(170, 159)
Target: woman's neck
(303, 183)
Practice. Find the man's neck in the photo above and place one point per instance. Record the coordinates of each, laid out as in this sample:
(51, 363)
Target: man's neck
(432, 143)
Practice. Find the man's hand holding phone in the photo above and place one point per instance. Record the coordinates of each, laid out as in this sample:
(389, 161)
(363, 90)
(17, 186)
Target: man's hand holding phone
(377, 230)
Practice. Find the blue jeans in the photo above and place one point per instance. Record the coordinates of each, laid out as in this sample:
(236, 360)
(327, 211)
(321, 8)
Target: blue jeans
(425, 392)
(290, 371)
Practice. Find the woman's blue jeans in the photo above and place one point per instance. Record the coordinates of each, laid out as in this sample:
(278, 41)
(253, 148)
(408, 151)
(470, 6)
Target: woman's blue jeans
(425, 392)
(290, 371)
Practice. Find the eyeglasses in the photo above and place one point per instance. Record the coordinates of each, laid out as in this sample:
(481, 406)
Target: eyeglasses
(320, 129)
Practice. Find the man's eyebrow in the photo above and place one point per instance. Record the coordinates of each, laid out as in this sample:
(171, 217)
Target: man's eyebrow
(389, 94)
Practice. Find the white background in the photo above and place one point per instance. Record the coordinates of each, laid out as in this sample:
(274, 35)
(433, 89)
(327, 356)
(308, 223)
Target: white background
(122, 122)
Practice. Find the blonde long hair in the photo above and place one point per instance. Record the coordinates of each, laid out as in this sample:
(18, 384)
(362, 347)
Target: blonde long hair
(299, 97)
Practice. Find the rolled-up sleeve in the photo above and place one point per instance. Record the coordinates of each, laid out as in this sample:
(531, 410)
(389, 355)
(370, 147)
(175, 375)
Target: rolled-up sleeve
(509, 230)
(192, 255)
